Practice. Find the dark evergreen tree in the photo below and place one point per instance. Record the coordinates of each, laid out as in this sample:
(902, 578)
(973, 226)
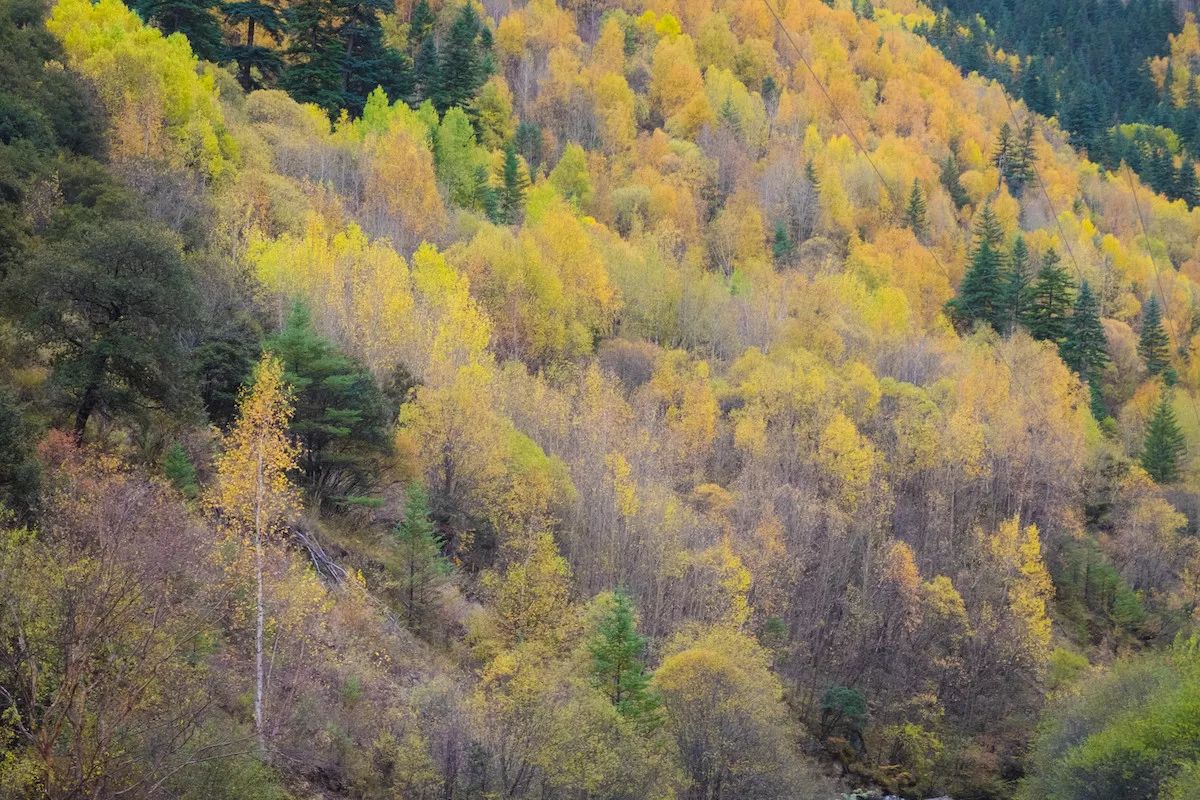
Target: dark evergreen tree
(1154, 346)
(781, 243)
(223, 363)
(529, 144)
(1002, 151)
(1050, 299)
(368, 62)
(195, 19)
(618, 670)
(978, 299)
(257, 64)
(339, 419)
(314, 56)
(426, 72)
(511, 202)
(1165, 445)
(420, 23)
(1014, 288)
(948, 176)
(463, 64)
(420, 569)
(114, 301)
(1186, 187)
(916, 213)
(1085, 348)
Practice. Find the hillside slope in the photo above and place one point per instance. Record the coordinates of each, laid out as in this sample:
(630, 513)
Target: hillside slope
(665, 355)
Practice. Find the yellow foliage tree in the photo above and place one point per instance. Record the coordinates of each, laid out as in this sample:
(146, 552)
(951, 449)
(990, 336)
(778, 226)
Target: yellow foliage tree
(252, 493)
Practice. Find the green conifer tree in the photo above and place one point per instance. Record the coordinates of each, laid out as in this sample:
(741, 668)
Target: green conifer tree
(180, 471)
(1154, 346)
(1165, 446)
(1051, 298)
(195, 19)
(617, 650)
(781, 243)
(1085, 348)
(512, 190)
(257, 64)
(1014, 288)
(314, 55)
(368, 62)
(978, 299)
(916, 214)
(463, 64)
(339, 416)
(420, 568)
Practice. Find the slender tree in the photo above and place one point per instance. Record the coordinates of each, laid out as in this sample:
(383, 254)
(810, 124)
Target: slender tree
(1085, 348)
(1154, 346)
(916, 213)
(252, 494)
(512, 188)
(1014, 288)
(1165, 446)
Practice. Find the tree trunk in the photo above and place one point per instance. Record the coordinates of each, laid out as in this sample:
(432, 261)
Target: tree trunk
(258, 637)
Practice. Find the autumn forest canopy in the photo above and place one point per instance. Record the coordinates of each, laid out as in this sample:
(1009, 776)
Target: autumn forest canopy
(599, 399)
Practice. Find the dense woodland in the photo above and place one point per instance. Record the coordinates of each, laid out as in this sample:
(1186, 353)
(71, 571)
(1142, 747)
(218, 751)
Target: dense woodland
(642, 399)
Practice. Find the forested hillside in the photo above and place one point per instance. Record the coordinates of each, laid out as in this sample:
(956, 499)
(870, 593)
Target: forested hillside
(712, 400)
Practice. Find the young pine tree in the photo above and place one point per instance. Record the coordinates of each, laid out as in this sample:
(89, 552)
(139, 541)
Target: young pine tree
(978, 299)
(916, 214)
(368, 62)
(252, 494)
(1164, 447)
(421, 567)
(1050, 300)
(618, 671)
(511, 202)
(178, 469)
(1154, 346)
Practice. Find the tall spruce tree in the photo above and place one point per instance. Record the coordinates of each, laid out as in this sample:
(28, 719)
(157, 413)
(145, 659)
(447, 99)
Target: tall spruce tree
(368, 62)
(251, 56)
(916, 213)
(618, 670)
(463, 65)
(339, 415)
(1154, 346)
(1014, 288)
(195, 19)
(978, 299)
(1085, 348)
(314, 56)
(511, 202)
(1164, 446)
(1050, 300)
(426, 71)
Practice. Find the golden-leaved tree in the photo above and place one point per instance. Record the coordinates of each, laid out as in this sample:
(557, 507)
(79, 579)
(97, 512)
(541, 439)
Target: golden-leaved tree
(252, 494)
